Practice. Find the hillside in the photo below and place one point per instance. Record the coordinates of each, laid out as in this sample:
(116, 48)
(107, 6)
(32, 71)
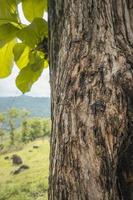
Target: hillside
(38, 106)
(31, 184)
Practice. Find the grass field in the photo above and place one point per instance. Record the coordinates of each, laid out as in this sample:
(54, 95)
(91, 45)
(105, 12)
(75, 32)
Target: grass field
(32, 184)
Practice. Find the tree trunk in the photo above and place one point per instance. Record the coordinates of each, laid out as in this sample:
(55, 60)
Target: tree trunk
(91, 62)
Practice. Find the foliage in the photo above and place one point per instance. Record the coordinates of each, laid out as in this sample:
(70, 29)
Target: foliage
(24, 131)
(12, 116)
(2, 117)
(46, 127)
(29, 52)
(34, 8)
(24, 113)
(28, 129)
(2, 132)
(12, 129)
(6, 59)
(13, 113)
(35, 128)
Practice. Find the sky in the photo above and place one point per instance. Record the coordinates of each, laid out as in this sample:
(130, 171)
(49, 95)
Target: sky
(40, 88)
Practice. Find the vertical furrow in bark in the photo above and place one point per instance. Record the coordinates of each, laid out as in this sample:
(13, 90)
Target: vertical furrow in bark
(90, 78)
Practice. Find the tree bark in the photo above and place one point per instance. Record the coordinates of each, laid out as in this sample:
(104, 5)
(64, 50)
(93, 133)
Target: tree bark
(91, 63)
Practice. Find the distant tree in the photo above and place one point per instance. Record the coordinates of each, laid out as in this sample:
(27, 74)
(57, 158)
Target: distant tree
(12, 114)
(12, 130)
(25, 126)
(36, 129)
(25, 131)
(2, 133)
(46, 127)
(2, 119)
(24, 114)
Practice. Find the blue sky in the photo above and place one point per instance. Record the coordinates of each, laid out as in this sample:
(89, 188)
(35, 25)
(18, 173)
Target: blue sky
(40, 88)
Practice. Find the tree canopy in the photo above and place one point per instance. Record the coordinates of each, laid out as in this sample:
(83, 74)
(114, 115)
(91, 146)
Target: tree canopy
(26, 45)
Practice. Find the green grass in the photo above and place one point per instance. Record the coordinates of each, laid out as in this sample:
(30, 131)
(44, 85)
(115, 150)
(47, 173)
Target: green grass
(32, 184)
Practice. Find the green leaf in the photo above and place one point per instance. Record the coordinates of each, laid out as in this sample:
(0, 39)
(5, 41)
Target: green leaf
(21, 55)
(42, 55)
(30, 74)
(33, 33)
(7, 33)
(46, 63)
(8, 11)
(6, 59)
(33, 8)
(45, 5)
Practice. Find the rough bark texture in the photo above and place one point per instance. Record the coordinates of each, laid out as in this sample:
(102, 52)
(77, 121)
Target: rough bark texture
(91, 63)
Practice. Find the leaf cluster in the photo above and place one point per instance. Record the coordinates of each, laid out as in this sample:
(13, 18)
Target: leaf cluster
(21, 43)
